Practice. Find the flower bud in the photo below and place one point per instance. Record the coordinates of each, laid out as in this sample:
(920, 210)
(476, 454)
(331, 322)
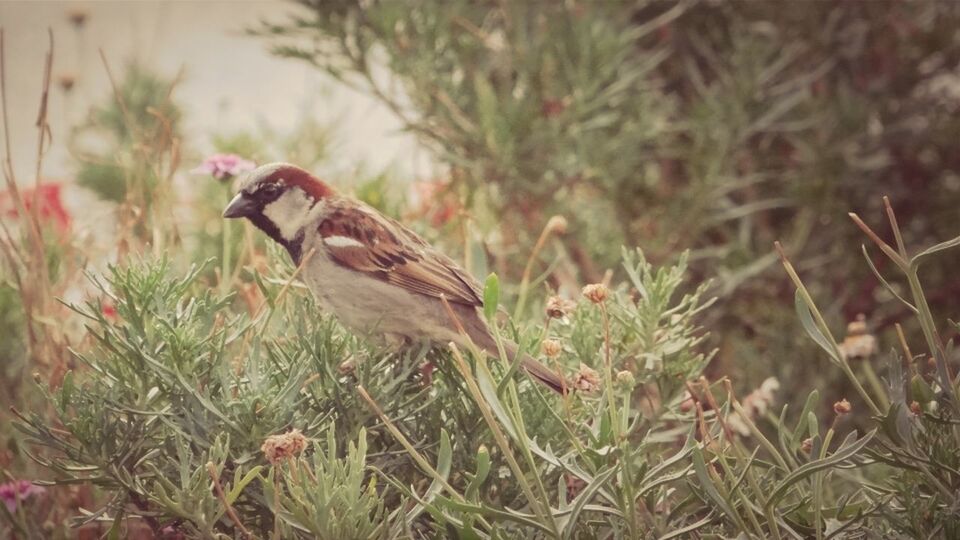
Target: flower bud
(625, 380)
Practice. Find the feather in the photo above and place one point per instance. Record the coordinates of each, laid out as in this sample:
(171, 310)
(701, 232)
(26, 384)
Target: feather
(362, 240)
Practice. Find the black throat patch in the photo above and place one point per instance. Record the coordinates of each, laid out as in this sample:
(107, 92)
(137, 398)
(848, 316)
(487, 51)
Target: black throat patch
(294, 247)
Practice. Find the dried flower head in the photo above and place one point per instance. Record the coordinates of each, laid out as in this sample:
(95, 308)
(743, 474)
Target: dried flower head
(551, 347)
(807, 445)
(557, 225)
(558, 308)
(596, 293)
(224, 166)
(858, 343)
(586, 379)
(842, 407)
(285, 446)
(755, 405)
(625, 380)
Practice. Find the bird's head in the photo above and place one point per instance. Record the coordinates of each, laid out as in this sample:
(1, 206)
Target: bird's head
(278, 198)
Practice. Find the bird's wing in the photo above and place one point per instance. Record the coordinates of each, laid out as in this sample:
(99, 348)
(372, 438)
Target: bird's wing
(361, 239)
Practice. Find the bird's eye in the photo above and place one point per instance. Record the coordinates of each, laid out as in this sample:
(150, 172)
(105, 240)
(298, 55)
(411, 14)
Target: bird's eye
(269, 189)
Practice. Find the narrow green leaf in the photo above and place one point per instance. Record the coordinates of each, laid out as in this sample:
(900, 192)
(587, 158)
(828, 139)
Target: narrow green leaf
(491, 296)
(915, 262)
(806, 319)
(844, 453)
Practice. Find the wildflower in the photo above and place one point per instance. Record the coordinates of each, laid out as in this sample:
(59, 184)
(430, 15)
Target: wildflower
(16, 490)
(807, 445)
(50, 200)
(858, 343)
(109, 310)
(224, 166)
(754, 405)
(551, 347)
(842, 407)
(285, 446)
(625, 380)
(596, 293)
(586, 379)
(558, 308)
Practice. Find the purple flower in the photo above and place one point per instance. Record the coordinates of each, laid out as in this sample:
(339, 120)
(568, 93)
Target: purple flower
(24, 489)
(224, 166)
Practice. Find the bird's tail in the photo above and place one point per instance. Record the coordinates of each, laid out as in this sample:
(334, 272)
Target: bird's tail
(476, 330)
(539, 371)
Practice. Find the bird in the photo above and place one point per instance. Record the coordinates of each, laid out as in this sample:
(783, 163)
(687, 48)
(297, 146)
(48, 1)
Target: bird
(375, 275)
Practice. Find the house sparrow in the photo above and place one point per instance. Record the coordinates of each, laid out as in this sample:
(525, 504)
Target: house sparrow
(374, 274)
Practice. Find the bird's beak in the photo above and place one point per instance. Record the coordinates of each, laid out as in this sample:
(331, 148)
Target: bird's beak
(239, 207)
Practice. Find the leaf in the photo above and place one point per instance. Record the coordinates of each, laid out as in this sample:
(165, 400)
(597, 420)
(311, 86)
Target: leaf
(480, 476)
(491, 296)
(806, 318)
(583, 498)
(444, 459)
(238, 486)
(915, 261)
(883, 281)
(812, 400)
(706, 482)
(846, 451)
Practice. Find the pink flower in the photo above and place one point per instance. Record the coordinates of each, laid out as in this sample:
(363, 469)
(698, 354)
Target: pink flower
(24, 489)
(224, 166)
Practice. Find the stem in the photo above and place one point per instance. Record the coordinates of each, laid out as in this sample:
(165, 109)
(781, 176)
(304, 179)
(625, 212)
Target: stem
(225, 275)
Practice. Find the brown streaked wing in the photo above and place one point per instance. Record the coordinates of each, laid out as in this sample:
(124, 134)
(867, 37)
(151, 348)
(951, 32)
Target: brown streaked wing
(394, 254)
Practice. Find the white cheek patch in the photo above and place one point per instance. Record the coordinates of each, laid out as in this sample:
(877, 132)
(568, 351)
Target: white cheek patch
(290, 212)
(341, 241)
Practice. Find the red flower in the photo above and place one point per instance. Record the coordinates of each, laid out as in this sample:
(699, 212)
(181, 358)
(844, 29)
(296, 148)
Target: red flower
(109, 310)
(50, 208)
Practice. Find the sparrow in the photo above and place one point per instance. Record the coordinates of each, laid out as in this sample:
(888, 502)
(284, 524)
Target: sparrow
(375, 275)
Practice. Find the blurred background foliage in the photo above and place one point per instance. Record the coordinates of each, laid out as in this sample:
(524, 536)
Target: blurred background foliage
(717, 127)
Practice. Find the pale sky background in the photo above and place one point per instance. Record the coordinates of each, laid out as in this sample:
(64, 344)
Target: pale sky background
(231, 81)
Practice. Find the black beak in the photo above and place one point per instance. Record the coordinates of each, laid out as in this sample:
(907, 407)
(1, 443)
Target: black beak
(239, 207)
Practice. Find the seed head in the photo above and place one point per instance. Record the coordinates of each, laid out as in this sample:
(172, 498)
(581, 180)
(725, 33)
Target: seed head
(551, 347)
(586, 379)
(596, 293)
(558, 308)
(626, 380)
(288, 445)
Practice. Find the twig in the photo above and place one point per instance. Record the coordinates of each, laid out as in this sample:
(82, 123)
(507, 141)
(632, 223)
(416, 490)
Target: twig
(212, 469)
